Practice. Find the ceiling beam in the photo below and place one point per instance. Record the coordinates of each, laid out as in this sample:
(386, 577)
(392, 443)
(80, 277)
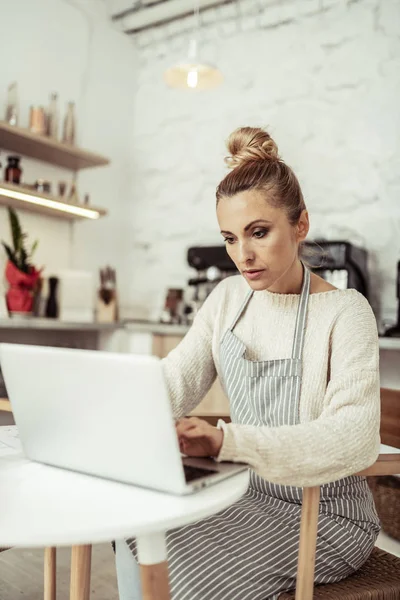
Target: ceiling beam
(143, 17)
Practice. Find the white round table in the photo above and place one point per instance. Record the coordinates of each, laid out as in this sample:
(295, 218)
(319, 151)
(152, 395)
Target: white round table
(47, 506)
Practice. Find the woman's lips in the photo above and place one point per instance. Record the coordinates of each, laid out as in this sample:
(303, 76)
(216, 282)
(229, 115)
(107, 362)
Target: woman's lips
(253, 274)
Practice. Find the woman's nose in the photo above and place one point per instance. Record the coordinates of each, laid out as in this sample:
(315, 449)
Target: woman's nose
(245, 253)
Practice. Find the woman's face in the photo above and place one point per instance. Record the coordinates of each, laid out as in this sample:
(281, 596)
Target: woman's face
(260, 240)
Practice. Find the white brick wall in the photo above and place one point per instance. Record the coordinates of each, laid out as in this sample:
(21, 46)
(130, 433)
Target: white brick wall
(324, 77)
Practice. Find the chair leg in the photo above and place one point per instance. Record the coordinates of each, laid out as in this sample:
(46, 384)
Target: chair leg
(154, 580)
(81, 562)
(50, 574)
(307, 544)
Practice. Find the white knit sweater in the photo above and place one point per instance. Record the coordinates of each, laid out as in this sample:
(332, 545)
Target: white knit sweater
(338, 434)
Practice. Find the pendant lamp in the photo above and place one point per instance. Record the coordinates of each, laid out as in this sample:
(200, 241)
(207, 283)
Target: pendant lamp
(192, 73)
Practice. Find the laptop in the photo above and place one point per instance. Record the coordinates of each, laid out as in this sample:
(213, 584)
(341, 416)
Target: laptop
(104, 414)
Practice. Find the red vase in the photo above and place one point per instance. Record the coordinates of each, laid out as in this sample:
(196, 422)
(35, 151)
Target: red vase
(19, 296)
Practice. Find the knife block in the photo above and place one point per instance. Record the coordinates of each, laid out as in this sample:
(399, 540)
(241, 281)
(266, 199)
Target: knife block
(107, 306)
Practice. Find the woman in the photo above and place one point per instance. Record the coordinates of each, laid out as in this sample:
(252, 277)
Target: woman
(298, 360)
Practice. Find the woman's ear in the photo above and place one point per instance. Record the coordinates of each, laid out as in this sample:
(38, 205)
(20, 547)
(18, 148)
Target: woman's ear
(303, 226)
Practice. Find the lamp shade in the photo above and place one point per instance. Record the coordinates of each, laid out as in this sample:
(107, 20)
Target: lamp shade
(192, 73)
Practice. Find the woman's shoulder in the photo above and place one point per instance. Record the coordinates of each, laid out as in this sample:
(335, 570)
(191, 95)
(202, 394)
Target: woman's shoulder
(228, 293)
(353, 317)
(233, 283)
(342, 304)
(231, 291)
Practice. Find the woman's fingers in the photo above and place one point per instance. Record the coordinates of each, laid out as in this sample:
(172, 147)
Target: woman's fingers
(193, 433)
(186, 424)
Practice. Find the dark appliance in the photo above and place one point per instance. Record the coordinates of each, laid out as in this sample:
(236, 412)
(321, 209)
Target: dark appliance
(203, 257)
(212, 264)
(395, 330)
(340, 263)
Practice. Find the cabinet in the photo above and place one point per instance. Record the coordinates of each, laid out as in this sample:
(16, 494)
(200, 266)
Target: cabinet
(215, 404)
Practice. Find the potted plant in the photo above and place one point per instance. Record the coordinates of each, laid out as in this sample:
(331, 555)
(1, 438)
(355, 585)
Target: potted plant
(21, 275)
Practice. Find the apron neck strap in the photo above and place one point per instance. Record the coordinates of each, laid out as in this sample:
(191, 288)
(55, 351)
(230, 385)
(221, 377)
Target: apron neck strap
(301, 316)
(241, 309)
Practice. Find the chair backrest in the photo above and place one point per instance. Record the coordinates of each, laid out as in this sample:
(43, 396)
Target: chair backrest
(390, 417)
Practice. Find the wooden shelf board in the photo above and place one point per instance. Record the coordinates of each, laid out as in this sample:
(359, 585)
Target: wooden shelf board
(5, 405)
(22, 141)
(54, 212)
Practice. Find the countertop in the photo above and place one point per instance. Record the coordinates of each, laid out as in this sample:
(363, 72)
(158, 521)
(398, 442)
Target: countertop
(129, 326)
(133, 326)
(155, 327)
(55, 325)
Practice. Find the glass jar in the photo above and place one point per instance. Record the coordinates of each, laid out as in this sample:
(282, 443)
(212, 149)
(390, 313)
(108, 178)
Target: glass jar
(13, 172)
(69, 128)
(43, 186)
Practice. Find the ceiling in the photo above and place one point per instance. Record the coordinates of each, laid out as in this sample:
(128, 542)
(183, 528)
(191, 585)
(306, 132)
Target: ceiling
(135, 16)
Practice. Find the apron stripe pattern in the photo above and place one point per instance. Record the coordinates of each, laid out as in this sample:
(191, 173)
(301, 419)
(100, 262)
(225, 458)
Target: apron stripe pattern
(249, 551)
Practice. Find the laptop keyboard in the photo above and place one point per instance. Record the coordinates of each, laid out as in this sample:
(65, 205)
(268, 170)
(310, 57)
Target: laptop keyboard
(192, 473)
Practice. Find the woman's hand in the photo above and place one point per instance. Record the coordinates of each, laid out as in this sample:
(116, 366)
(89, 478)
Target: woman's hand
(197, 438)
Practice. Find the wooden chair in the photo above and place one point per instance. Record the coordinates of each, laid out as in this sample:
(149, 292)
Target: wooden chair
(379, 578)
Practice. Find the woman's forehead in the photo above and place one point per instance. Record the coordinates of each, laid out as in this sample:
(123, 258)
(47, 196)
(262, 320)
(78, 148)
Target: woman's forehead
(247, 206)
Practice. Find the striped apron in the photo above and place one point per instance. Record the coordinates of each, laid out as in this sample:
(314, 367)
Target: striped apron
(249, 550)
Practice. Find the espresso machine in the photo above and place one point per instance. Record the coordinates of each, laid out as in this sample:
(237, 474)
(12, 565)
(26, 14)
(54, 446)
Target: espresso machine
(340, 263)
(212, 265)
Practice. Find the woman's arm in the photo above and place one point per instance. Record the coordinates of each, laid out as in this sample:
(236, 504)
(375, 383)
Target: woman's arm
(344, 439)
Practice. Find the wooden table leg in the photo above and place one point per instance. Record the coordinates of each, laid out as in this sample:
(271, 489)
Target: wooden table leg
(50, 574)
(81, 561)
(152, 555)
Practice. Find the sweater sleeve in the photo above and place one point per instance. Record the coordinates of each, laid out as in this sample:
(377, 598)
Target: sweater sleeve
(189, 369)
(344, 439)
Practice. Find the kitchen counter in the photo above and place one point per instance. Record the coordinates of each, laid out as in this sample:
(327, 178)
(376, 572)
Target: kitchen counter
(56, 325)
(129, 326)
(387, 343)
(155, 327)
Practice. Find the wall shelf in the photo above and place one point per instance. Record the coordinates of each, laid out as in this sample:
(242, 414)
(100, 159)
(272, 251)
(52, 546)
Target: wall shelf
(22, 141)
(24, 198)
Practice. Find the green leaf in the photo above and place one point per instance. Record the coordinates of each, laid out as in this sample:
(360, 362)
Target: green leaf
(34, 246)
(16, 231)
(19, 256)
(23, 261)
(10, 253)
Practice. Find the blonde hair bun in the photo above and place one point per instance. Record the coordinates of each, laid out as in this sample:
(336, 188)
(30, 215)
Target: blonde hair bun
(249, 144)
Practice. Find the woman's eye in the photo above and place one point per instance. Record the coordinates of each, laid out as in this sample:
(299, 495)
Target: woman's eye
(229, 240)
(260, 233)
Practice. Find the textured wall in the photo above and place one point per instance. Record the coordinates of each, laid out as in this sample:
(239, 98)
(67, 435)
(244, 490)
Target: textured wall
(325, 78)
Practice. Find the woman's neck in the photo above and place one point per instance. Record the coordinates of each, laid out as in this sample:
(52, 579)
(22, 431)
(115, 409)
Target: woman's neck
(291, 281)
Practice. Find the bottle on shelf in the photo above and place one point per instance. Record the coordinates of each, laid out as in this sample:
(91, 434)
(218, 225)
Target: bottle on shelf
(37, 120)
(52, 300)
(13, 172)
(52, 117)
(69, 128)
(12, 112)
